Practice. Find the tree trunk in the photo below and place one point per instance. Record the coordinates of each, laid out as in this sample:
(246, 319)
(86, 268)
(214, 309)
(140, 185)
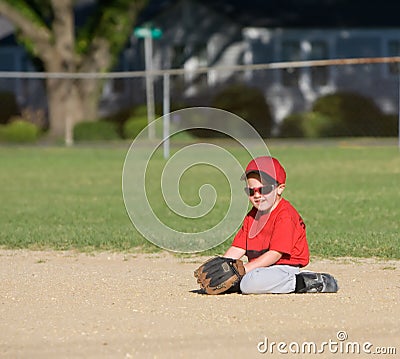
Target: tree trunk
(90, 90)
(71, 101)
(58, 98)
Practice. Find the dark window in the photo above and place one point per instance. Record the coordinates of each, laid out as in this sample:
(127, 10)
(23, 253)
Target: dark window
(178, 56)
(319, 74)
(394, 50)
(291, 51)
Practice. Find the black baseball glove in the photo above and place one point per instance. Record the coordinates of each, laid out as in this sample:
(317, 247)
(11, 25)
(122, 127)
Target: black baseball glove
(220, 275)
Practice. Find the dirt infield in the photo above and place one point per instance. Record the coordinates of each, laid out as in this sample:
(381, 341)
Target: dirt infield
(70, 305)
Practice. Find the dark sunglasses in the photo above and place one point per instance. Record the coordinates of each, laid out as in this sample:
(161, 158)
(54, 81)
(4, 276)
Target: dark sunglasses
(261, 190)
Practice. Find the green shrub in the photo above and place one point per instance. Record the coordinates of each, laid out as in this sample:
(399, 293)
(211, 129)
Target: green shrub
(307, 124)
(95, 131)
(118, 119)
(247, 102)
(134, 126)
(137, 121)
(340, 114)
(19, 131)
(292, 126)
(140, 111)
(388, 126)
(316, 125)
(352, 114)
(9, 107)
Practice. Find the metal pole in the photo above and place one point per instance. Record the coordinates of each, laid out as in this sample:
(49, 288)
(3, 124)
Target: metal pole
(69, 128)
(148, 51)
(69, 138)
(166, 117)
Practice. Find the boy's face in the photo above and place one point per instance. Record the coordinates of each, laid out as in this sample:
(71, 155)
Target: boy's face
(263, 202)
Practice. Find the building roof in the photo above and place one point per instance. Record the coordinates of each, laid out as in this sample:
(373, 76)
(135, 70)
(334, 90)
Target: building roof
(6, 28)
(296, 13)
(270, 13)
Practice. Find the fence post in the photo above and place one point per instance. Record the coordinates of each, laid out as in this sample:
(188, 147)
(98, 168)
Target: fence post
(148, 50)
(69, 125)
(166, 117)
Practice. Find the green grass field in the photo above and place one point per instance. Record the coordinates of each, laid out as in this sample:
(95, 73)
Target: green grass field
(71, 198)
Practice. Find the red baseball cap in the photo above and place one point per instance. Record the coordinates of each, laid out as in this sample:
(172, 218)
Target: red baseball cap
(267, 165)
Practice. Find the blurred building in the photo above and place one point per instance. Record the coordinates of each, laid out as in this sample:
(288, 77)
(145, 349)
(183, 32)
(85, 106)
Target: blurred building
(226, 33)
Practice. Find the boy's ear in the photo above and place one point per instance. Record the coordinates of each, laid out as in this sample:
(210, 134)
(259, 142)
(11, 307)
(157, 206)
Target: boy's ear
(281, 188)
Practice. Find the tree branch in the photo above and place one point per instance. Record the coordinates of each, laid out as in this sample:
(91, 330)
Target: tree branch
(113, 28)
(31, 27)
(63, 31)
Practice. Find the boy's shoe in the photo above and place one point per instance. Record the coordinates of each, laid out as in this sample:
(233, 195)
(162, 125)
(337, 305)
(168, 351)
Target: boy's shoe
(311, 282)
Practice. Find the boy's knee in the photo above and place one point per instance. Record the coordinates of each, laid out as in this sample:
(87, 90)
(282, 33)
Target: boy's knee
(247, 284)
(244, 287)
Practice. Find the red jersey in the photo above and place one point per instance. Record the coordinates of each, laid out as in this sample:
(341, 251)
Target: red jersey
(282, 230)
